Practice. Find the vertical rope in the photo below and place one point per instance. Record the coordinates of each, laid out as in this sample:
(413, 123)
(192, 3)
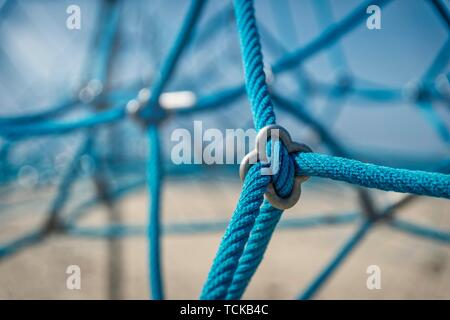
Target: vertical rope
(235, 238)
(257, 243)
(255, 79)
(154, 174)
(154, 181)
(249, 231)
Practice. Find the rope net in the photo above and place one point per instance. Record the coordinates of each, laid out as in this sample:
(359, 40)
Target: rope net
(111, 126)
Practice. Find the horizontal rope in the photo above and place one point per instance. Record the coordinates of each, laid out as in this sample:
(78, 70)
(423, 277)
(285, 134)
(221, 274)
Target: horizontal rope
(200, 227)
(374, 176)
(65, 106)
(56, 110)
(60, 127)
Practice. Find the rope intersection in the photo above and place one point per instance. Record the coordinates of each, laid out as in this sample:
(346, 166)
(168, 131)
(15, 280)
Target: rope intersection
(254, 220)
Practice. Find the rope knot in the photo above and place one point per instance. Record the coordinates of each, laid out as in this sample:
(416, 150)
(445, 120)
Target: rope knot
(276, 155)
(284, 175)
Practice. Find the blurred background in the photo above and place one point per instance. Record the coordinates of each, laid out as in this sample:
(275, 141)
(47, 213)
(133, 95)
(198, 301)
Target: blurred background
(384, 96)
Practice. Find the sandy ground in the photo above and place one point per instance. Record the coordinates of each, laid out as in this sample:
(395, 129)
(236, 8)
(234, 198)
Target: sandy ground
(411, 267)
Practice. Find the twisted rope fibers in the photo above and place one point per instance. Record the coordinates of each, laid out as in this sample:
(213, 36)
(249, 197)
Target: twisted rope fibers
(254, 220)
(372, 176)
(234, 268)
(232, 271)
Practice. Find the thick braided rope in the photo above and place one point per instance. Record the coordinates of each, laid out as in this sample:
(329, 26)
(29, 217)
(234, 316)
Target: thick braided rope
(238, 258)
(255, 79)
(257, 243)
(373, 176)
(249, 232)
(264, 226)
(236, 235)
(266, 221)
(342, 169)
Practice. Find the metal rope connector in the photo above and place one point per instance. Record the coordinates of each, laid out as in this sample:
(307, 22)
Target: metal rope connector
(168, 101)
(259, 155)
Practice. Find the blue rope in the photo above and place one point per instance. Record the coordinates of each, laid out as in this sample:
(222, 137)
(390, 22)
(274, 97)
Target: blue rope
(327, 38)
(154, 178)
(254, 220)
(346, 249)
(324, 14)
(300, 112)
(15, 245)
(249, 231)
(173, 56)
(154, 160)
(65, 106)
(62, 127)
(257, 243)
(38, 116)
(263, 228)
(349, 246)
(421, 231)
(189, 228)
(108, 31)
(374, 176)
(235, 238)
(255, 78)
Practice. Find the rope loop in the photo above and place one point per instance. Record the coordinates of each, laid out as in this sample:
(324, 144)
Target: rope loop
(284, 190)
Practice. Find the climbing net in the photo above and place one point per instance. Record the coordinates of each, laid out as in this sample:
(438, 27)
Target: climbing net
(255, 219)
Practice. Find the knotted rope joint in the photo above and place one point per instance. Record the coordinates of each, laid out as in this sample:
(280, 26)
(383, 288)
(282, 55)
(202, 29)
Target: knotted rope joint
(276, 133)
(136, 106)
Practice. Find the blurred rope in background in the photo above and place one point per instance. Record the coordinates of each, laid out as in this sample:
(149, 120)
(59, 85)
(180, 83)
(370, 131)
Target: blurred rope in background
(100, 105)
